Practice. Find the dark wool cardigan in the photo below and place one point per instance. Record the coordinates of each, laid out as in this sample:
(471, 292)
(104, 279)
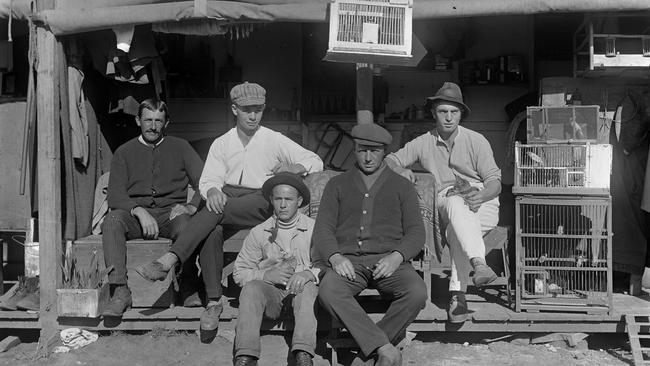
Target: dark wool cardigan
(354, 220)
(152, 177)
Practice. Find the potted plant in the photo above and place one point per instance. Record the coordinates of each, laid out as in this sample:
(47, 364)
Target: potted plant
(84, 292)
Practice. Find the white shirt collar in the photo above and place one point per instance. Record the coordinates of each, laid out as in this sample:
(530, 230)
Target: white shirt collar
(141, 139)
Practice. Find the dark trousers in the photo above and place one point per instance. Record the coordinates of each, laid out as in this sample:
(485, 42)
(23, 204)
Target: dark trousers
(405, 287)
(119, 226)
(245, 208)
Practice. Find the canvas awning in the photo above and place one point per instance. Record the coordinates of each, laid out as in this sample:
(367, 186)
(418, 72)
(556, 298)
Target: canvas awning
(74, 16)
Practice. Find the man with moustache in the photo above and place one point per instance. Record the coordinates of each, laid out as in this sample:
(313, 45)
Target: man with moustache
(147, 194)
(274, 268)
(457, 156)
(237, 165)
(368, 228)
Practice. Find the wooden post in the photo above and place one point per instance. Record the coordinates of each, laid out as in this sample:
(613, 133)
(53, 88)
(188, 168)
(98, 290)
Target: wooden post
(364, 93)
(49, 175)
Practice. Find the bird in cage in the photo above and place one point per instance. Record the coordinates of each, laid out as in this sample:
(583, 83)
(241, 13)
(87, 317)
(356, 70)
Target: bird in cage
(536, 159)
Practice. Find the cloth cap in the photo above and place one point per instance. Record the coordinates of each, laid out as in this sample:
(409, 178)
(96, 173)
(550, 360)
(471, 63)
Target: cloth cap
(246, 94)
(290, 179)
(371, 134)
(450, 92)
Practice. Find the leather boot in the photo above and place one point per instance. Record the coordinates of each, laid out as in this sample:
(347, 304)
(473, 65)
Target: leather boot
(244, 360)
(119, 302)
(483, 274)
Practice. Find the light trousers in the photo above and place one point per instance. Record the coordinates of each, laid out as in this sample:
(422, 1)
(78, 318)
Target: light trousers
(464, 230)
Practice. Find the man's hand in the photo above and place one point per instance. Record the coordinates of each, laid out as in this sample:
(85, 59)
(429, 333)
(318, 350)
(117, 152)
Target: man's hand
(408, 174)
(278, 275)
(178, 210)
(216, 200)
(147, 222)
(291, 168)
(343, 266)
(474, 199)
(387, 265)
(297, 282)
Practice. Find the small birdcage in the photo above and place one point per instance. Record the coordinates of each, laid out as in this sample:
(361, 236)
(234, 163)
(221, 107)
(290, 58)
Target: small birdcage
(371, 27)
(571, 123)
(578, 169)
(564, 254)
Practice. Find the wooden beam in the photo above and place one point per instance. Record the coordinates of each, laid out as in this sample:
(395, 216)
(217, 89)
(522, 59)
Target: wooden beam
(49, 173)
(364, 93)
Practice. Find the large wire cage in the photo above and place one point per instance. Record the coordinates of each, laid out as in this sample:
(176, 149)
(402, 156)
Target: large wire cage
(380, 27)
(561, 124)
(576, 169)
(564, 254)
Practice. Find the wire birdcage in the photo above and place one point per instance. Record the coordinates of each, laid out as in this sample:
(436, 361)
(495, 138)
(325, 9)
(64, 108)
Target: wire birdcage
(563, 253)
(560, 124)
(577, 169)
(381, 27)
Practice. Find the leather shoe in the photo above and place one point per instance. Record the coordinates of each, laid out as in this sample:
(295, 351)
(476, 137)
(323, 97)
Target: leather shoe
(457, 311)
(244, 360)
(30, 302)
(119, 302)
(389, 355)
(152, 271)
(303, 359)
(192, 301)
(209, 324)
(483, 274)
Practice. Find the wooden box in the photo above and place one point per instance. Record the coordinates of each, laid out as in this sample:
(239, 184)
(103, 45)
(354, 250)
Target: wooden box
(145, 294)
(86, 303)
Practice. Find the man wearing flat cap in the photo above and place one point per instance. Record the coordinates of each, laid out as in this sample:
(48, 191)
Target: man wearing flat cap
(237, 165)
(468, 183)
(274, 267)
(368, 228)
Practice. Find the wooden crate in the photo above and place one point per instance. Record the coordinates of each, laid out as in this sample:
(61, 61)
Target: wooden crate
(85, 303)
(145, 294)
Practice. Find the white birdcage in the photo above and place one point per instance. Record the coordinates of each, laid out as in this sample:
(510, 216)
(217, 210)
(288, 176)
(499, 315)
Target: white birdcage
(371, 27)
(564, 254)
(577, 169)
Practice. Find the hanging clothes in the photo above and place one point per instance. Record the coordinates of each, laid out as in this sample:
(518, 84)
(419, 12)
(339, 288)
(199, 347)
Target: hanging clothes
(78, 122)
(630, 155)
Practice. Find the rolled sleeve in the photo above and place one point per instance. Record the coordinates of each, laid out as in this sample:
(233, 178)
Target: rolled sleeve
(296, 154)
(407, 155)
(486, 167)
(214, 170)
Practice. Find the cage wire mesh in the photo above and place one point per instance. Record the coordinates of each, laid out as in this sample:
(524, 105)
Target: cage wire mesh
(358, 18)
(563, 166)
(564, 247)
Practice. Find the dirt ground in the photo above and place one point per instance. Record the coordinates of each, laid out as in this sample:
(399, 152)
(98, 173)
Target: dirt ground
(163, 348)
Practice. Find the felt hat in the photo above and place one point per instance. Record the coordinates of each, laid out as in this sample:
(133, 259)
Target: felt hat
(371, 134)
(290, 179)
(450, 92)
(246, 94)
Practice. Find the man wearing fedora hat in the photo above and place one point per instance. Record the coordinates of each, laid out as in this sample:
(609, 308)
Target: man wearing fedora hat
(368, 228)
(237, 165)
(273, 265)
(457, 155)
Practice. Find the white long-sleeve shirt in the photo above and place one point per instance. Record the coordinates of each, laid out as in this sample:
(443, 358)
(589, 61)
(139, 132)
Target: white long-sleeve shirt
(230, 162)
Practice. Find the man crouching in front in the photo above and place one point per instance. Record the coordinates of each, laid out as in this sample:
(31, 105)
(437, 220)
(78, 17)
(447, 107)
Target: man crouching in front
(273, 266)
(368, 228)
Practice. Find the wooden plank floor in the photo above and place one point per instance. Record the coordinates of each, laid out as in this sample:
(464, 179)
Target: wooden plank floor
(490, 313)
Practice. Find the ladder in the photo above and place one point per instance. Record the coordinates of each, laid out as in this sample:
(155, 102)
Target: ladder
(638, 330)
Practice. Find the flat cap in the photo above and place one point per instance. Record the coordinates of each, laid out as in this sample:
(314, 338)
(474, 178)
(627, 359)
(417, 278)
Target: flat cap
(371, 134)
(247, 93)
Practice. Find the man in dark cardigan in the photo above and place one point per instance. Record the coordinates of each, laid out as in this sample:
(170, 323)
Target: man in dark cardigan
(147, 194)
(368, 228)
